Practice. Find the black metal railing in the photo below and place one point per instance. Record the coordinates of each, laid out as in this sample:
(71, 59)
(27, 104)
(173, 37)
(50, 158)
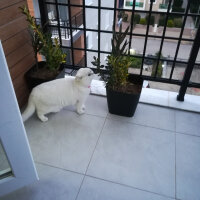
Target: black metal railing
(168, 14)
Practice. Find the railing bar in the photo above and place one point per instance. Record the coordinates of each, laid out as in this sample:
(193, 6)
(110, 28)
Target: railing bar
(71, 33)
(128, 10)
(131, 29)
(180, 37)
(99, 28)
(58, 20)
(84, 29)
(146, 36)
(163, 37)
(133, 34)
(114, 16)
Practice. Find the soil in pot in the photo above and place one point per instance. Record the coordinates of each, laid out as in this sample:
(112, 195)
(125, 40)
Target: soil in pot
(42, 74)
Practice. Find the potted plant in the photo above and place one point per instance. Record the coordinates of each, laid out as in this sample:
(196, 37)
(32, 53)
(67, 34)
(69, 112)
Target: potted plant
(123, 90)
(43, 44)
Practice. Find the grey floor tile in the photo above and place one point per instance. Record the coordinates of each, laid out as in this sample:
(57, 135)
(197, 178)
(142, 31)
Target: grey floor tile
(188, 122)
(95, 105)
(95, 189)
(187, 167)
(152, 116)
(67, 140)
(53, 184)
(138, 156)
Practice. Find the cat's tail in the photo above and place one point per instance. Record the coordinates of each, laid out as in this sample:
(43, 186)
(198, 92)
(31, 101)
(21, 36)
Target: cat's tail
(30, 109)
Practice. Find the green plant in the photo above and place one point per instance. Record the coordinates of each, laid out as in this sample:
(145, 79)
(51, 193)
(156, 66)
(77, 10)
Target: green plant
(35, 38)
(125, 17)
(177, 6)
(117, 64)
(161, 21)
(136, 19)
(170, 23)
(178, 22)
(135, 62)
(152, 19)
(160, 69)
(43, 43)
(143, 21)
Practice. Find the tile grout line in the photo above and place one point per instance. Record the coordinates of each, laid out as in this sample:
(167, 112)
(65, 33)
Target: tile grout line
(134, 123)
(175, 153)
(56, 167)
(129, 186)
(91, 157)
(109, 181)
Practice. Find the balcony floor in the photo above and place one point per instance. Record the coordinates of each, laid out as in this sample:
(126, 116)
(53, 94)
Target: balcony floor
(99, 156)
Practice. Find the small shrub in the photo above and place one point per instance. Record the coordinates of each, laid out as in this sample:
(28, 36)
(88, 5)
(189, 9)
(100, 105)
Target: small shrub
(178, 22)
(125, 18)
(178, 9)
(135, 62)
(143, 21)
(170, 23)
(159, 71)
(152, 19)
(136, 19)
(161, 21)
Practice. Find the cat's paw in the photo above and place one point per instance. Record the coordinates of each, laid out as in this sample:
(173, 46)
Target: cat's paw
(83, 107)
(43, 118)
(81, 111)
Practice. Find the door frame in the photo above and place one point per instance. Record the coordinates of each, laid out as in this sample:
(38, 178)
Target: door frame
(13, 135)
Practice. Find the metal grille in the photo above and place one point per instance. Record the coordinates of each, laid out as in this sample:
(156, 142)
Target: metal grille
(69, 27)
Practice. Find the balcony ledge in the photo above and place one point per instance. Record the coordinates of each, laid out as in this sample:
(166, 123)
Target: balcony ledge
(157, 97)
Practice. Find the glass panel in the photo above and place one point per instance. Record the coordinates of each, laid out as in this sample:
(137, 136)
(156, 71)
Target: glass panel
(179, 6)
(5, 169)
(139, 22)
(79, 58)
(137, 44)
(76, 2)
(91, 2)
(107, 3)
(179, 71)
(184, 51)
(191, 26)
(153, 46)
(169, 48)
(90, 56)
(107, 20)
(174, 25)
(92, 40)
(106, 42)
(91, 14)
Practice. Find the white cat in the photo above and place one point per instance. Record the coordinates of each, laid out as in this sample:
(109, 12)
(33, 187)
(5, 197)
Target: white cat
(52, 96)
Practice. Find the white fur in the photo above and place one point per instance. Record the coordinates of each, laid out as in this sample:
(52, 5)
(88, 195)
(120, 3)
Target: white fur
(52, 96)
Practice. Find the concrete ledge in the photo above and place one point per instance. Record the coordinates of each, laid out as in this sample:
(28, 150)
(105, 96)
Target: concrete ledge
(157, 97)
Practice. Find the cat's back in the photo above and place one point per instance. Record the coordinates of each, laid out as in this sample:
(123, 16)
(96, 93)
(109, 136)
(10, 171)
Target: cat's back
(55, 87)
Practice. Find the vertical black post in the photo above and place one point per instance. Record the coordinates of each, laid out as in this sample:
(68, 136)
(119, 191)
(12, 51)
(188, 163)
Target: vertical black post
(99, 29)
(71, 32)
(131, 29)
(58, 21)
(84, 30)
(163, 37)
(146, 36)
(190, 66)
(179, 39)
(43, 14)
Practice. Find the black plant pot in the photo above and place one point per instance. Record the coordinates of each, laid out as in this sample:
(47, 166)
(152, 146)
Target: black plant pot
(34, 80)
(124, 104)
